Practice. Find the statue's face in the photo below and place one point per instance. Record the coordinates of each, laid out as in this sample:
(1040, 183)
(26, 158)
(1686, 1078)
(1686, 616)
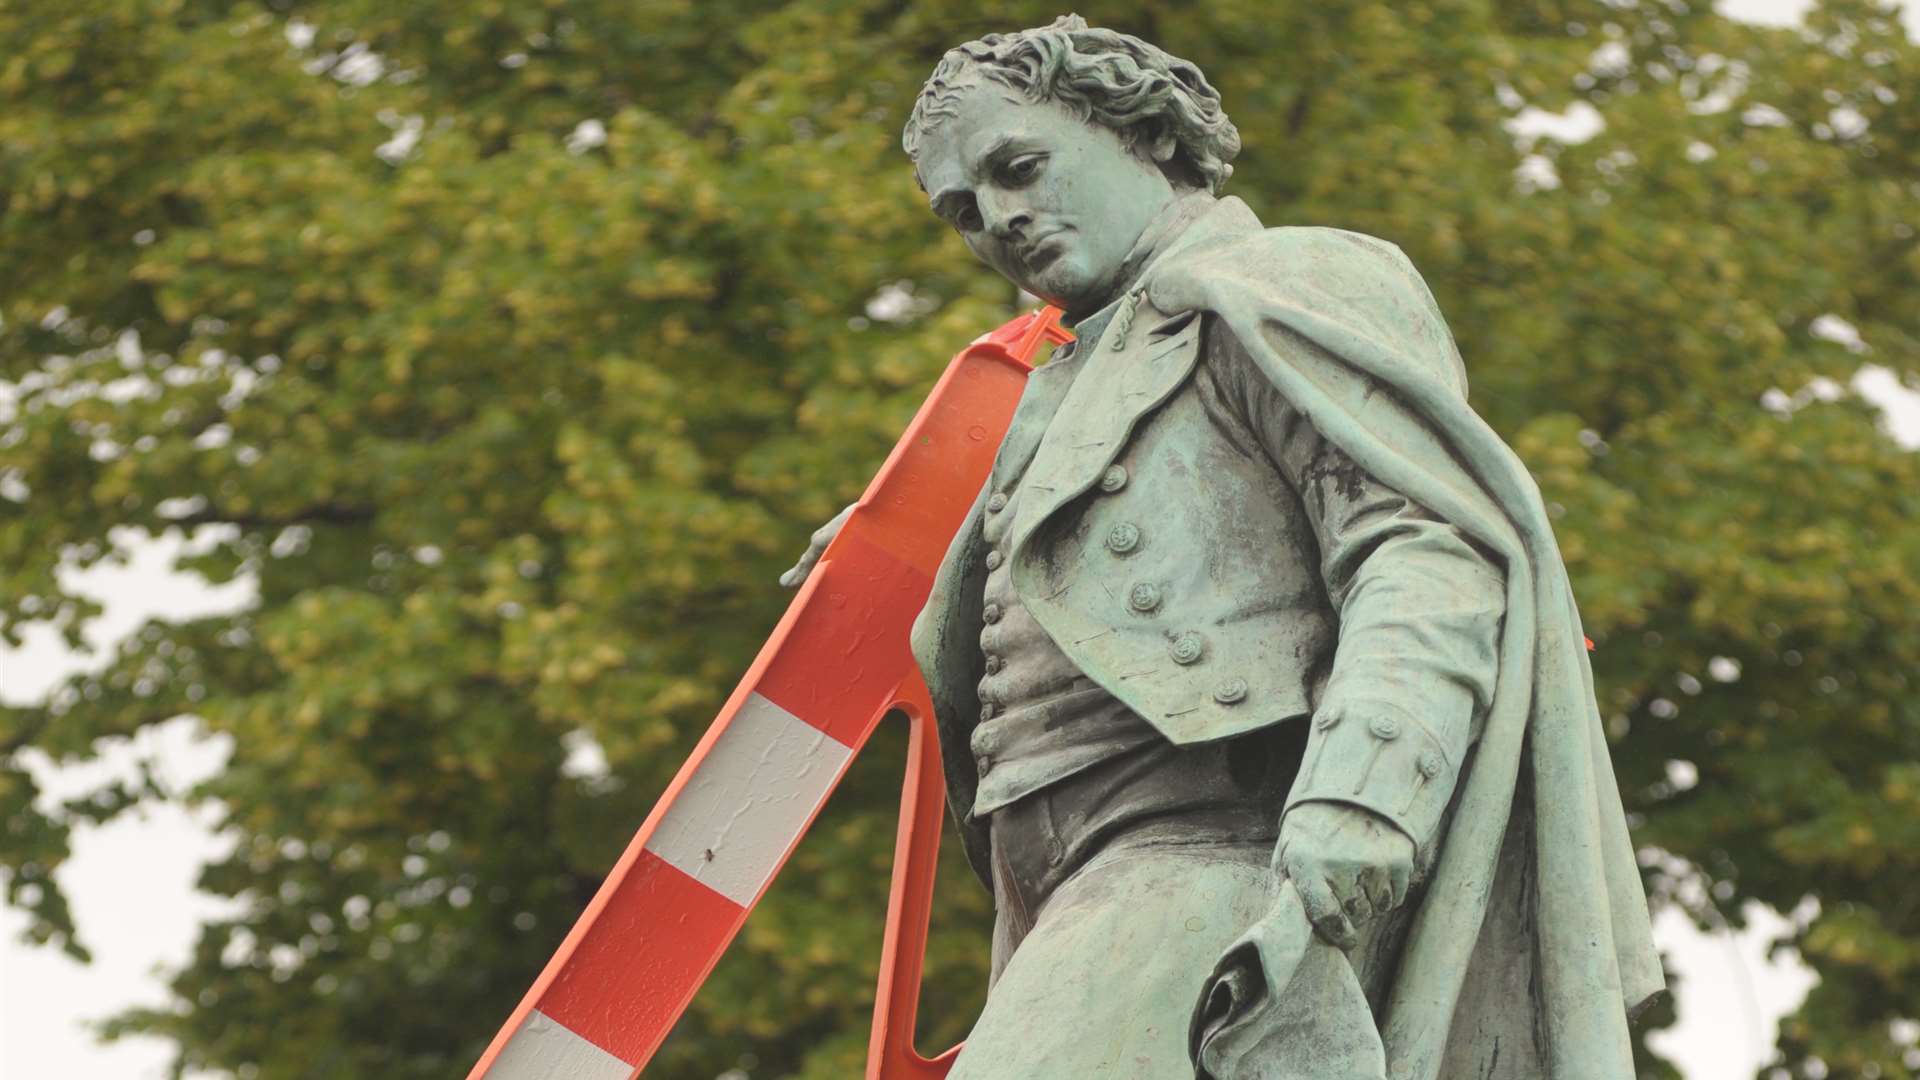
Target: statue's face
(1053, 202)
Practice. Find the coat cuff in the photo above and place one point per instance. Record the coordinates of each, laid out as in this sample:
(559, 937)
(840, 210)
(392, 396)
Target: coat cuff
(1376, 756)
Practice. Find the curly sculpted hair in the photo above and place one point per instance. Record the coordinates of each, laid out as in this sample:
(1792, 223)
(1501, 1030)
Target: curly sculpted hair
(1103, 76)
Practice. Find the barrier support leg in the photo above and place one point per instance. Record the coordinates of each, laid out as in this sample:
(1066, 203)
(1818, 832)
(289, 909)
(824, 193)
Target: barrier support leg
(916, 855)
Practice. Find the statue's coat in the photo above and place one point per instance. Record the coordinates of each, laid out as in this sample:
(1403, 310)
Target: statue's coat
(1346, 329)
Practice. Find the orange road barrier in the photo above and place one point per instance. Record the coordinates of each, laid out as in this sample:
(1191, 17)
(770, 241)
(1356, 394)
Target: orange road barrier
(837, 664)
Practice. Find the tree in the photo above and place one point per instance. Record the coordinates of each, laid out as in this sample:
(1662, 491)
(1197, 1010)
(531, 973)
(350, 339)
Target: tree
(513, 348)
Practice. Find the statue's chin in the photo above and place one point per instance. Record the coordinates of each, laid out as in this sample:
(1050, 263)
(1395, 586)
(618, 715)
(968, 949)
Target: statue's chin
(1066, 291)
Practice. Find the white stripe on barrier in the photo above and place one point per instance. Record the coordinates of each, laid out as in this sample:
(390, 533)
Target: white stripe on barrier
(543, 1049)
(756, 790)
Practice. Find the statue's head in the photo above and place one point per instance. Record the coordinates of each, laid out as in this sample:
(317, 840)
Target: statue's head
(1051, 150)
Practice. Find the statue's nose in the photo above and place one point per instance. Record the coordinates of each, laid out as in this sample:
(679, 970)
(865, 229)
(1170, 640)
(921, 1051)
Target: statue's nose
(1005, 219)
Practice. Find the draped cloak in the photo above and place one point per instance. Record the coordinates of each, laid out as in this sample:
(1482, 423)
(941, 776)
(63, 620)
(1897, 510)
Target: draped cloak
(1348, 331)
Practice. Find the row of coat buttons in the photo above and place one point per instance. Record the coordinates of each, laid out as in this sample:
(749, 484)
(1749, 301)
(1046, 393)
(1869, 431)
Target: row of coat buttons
(1122, 539)
(1188, 648)
(995, 503)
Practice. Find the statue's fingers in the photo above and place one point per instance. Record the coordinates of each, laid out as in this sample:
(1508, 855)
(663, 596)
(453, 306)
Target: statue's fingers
(1353, 897)
(798, 573)
(1377, 883)
(1324, 911)
(792, 578)
(1400, 877)
(816, 547)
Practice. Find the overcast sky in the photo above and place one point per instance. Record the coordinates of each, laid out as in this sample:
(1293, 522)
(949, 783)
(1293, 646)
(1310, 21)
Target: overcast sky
(131, 882)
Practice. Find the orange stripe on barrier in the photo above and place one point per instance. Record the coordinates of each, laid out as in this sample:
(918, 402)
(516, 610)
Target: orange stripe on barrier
(607, 992)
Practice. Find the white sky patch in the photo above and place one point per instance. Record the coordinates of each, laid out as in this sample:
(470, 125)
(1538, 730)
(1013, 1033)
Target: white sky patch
(1847, 122)
(131, 880)
(1764, 12)
(359, 66)
(1535, 173)
(1831, 327)
(1731, 993)
(1882, 387)
(131, 886)
(1715, 84)
(1791, 12)
(586, 135)
(1580, 122)
(355, 65)
(1682, 775)
(145, 587)
(1611, 60)
(406, 136)
(1899, 404)
(896, 302)
(586, 759)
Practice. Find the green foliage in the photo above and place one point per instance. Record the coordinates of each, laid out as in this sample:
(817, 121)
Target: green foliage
(515, 431)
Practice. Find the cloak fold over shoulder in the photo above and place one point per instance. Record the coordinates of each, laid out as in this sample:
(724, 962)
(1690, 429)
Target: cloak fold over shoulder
(1347, 330)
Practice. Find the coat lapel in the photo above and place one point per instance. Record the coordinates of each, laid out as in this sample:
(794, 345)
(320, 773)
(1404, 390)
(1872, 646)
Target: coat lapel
(1093, 418)
(1046, 387)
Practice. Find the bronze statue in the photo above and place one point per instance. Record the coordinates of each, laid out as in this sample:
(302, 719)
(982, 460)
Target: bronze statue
(1264, 701)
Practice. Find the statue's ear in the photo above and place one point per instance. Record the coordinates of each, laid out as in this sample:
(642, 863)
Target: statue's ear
(1153, 140)
(1161, 144)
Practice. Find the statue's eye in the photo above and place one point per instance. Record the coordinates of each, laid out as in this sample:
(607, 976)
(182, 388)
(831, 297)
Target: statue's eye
(968, 219)
(1023, 169)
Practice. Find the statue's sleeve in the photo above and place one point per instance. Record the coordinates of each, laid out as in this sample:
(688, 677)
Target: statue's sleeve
(1419, 609)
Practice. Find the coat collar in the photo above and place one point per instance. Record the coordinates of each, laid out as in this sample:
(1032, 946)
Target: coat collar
(1094, 416)
(1129, 357)
(1194, 221)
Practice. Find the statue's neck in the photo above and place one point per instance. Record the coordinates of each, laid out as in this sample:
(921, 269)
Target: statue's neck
(1183, 210)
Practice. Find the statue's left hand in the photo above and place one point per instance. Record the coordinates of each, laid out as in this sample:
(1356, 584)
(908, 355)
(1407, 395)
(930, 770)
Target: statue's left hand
(1348, 864)
(816, 547)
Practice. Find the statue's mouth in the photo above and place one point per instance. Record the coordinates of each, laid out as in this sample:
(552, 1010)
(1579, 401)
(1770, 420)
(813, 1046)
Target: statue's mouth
(1042, 250)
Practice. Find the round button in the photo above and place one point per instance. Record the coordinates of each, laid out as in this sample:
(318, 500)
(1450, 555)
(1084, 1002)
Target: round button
(1231, 692)
(1326, 719)
(1123, 538)
(994, 560)
(1144, 597)
(1386, 727)
(994, 664)
(1188, 648)
(996, 502)
(991, 615)
(1430, 763)
(1113, 479)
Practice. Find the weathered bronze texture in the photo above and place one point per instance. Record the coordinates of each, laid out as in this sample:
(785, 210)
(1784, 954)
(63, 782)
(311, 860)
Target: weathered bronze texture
(1262, 692)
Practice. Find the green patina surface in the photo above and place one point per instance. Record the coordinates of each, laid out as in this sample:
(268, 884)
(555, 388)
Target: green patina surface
(1081, 165)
